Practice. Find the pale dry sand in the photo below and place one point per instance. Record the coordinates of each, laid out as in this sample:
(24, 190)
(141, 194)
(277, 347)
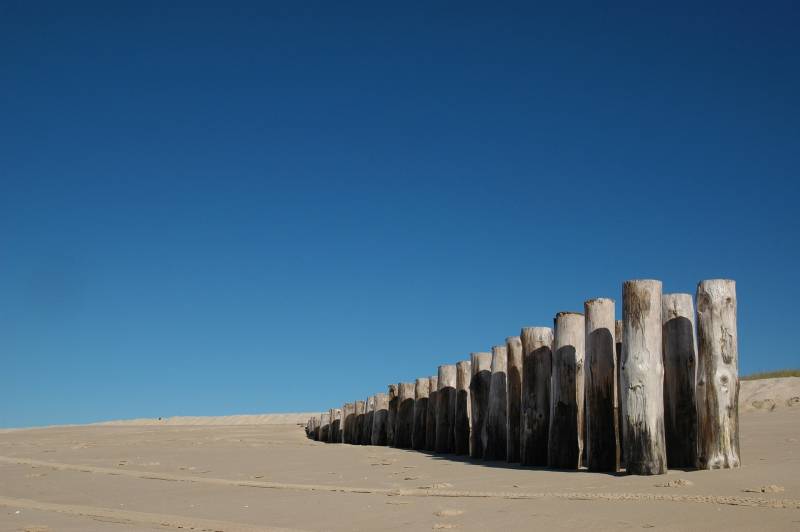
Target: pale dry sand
(265, 476)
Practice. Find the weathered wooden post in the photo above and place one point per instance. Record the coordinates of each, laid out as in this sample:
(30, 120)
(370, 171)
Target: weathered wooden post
(380, 418)
(496, 422)
(602, 445)
(565, 443)
(366, 432)
(348, 415)
(324, 425)
(514, 417)
(430, 416)
(481, 381)
(391, 421)
(680, 367)
(404, 426)
(332, 426)
(421, 395)
(446, 409)
(642, 380)
(537, 354)
(717, 375)
(338, 424)
(315, 430)
(618, 332)
(358, 425)
(461, 426)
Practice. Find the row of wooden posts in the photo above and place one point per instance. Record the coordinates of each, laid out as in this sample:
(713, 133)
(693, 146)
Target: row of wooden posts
(647, 392)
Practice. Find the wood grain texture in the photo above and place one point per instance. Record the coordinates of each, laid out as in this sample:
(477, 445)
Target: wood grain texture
(717, 375)
(642, 381)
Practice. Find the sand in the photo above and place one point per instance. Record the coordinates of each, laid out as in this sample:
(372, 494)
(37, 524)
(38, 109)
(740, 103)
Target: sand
(239, 476)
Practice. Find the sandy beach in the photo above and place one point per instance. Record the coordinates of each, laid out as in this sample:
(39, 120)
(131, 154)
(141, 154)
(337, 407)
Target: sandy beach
(234, 475)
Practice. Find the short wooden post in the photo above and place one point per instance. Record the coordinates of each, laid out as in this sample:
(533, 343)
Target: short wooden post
(565, 444)
(537, 354)
(380, 418)
(618, 331)
(324, 425)
(461, 425)
(446, 409)
(348, 418)
(514, 417)
(717, 375)
(358, 426)
(602, 445)
(430, 415)
(366, 433)
(481, 381)
(391, 421)
(421, 395)
(680, 366)
(404, 427)
(642, 380)
(496, 422)
(315, 431)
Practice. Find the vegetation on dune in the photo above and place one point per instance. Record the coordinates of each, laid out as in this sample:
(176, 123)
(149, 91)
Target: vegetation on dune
(772, 374)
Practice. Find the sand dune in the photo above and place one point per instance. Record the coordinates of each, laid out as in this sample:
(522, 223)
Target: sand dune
(769, 394)
(239, 419)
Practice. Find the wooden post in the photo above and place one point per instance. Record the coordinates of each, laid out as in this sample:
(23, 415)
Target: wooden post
(618, 332)
(496, 435)
(391, 421)
(421, 395)
(358, 426)
(404, 426)
(324, 425)
(331, 426)
(680, 366)
(537, 354)
(642, 380)
(514, 417)
(481, 381)
(565, 443)
(348, 418)
(717, 375)
(446, 409)
(316, 428)
(366, 432)
(461, 426)
(380, 418)
(602, 445)
(430, 415)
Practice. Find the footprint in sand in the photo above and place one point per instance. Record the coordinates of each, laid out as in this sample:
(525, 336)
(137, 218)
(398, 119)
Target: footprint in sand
(765, 404)
(444, 526)
(677, 483)
(436, 486)
(793, 401)
(448, 513)
(772, 488)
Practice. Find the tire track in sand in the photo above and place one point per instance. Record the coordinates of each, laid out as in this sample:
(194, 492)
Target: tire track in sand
(728, 500)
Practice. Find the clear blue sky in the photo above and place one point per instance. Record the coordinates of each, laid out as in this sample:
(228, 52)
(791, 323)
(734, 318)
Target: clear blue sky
(229, 207)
